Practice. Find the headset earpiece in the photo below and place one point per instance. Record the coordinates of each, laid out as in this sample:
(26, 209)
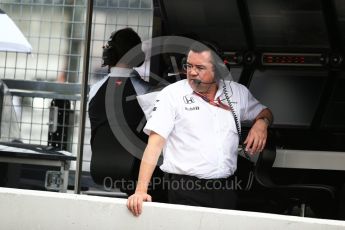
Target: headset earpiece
(141, 58)
(221, 70)
(183, 61)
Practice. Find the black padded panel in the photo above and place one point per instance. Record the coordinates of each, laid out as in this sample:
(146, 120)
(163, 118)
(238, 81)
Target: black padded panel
(320, 194)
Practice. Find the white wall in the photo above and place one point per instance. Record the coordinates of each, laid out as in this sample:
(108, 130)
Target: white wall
(25, 209)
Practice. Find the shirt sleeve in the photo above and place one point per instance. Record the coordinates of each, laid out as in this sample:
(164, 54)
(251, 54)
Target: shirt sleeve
(252, 107)
(147, 102)
(162, 117)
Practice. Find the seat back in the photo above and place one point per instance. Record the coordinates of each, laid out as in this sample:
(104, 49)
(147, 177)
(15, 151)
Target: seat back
(265, 162)
(320, 196)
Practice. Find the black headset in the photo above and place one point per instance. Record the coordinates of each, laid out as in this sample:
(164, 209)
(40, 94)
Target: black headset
(221, 69)
(118, 44)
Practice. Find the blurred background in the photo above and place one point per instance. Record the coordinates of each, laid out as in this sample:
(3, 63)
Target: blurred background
(56, 29)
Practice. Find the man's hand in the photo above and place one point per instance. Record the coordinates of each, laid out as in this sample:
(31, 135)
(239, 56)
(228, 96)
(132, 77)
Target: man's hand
(257, 136)
(147, 166)
(135, 202)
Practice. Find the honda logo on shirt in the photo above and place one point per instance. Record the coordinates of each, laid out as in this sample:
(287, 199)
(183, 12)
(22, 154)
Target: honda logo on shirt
(188, 99)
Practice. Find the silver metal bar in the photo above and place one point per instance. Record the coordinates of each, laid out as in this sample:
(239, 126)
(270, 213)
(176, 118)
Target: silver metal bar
(84, 92)
(31, 161)
(70, 88)
(34, 94)
(302, 213)
(64, 175)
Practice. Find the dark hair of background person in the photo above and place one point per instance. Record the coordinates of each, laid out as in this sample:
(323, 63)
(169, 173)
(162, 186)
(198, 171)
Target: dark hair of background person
(119, 43)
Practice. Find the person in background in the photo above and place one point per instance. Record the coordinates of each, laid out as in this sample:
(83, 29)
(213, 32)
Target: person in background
(119, 44)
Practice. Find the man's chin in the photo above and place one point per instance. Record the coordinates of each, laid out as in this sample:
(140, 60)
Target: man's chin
(194, 86)
(200, 89)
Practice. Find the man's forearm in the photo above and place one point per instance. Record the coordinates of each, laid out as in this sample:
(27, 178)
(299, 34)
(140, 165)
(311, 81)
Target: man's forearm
(267, 115)
(145, 174)
(149, 161)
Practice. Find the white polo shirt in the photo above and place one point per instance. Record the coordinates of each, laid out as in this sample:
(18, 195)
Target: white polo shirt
(201, 139)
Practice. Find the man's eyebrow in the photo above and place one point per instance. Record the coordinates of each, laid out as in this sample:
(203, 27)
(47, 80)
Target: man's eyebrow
(196, 65)
(203, 66)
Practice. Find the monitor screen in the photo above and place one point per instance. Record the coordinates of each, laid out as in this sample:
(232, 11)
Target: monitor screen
(293, 96)
(217, 21)
(290, 24)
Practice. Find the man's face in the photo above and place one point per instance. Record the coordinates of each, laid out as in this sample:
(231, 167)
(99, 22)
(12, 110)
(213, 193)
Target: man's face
(200, 67)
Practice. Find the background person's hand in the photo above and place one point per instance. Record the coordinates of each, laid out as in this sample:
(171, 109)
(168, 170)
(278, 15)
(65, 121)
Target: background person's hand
(135, 202)
(257, 136)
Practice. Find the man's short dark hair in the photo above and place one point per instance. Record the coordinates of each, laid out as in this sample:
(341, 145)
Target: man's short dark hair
(119, 43)
(216, 52)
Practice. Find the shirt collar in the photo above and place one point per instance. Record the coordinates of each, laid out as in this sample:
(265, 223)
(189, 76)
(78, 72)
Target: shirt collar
(188, 88)
(220, 89)
(120, 72)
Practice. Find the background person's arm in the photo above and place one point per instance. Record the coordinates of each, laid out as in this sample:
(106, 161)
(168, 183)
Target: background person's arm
(147, 166)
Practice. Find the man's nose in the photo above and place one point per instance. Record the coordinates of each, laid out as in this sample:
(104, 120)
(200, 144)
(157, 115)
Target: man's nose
(193, 71)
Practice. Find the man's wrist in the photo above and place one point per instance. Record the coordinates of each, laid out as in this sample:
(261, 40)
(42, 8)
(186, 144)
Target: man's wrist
(266, 120)
(142, 187)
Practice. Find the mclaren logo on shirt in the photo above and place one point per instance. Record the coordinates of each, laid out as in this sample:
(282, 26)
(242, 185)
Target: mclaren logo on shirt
(188, 99)
(192, 108)
(155, 107)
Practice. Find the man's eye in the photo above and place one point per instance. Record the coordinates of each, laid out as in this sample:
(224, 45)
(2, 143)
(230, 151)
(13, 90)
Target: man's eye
(201, 67)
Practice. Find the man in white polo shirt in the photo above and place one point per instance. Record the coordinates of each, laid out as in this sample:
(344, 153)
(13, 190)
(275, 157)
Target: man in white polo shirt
(196, 124)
